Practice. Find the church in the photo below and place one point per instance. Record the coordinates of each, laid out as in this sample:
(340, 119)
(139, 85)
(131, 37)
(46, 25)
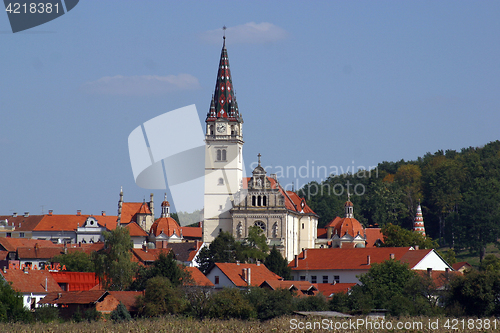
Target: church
(232, 202)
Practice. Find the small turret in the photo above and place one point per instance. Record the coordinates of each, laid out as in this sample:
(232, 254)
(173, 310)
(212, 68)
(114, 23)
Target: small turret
(418, 224)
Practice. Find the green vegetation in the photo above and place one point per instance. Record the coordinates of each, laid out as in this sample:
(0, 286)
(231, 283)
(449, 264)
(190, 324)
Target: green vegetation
(459, 194)
(113, 264)
(395, 236)
(11, 305)
(75, 262)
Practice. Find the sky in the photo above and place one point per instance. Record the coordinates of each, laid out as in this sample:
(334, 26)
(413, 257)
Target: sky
(332, 84)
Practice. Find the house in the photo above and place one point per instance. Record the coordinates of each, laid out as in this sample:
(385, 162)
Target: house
(75, 281)
(299, 288)
(329, 289)
(198, 278)
(32, 284)
(343, 265)
(462, 266)
(111, 301)
(185, 252)
(140, 212)
(17, 225)
(137, 234)
(70, 302)
(147, 256)
(240, 275)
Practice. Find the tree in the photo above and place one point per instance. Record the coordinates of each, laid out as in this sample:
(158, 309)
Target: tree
(395, 236)
(75, 262)
(277, 264)
(165, 266)
(230, 303)
(409, 177)
(222, 249)
(120, 313)
(11, 304)
(161, 298)
(113, 264)
(269, 304)
(490, 263)
(255, 246)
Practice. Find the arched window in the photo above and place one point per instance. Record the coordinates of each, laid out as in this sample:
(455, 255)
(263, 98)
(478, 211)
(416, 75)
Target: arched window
(264, 200)
(223, 154)
(261, 225)
(259, 201)
(275, 230)
(219, 156)
(253, 200)
(221, 181)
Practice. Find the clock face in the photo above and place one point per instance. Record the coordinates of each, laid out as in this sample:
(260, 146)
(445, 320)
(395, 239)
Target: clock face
(221, 128)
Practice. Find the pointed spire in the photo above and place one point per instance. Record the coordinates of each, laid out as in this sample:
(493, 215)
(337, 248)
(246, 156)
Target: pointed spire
(224, 103)
(120, 204)
(259, 155)
(418, 224)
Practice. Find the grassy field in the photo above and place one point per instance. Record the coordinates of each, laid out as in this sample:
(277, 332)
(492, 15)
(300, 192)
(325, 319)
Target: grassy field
(473, 259)
(283, 324)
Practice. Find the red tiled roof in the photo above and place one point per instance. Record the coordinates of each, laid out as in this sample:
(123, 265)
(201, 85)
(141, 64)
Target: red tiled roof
(38, 252)
(149, 256)
(199, 279)
(321, 233)
(354, 258)
(412, 258)
(303, 286)
(85, 248)
(192, 232)
(167, 225)
(372, 236)
(31, 281)
(457, 266)
(11, 244)
(3, 255)
(22, 223)
(71, 222)
(135, 230)
(439, 278)
(327, 289)
(333, 222)
(74, 297)
(128, 298)
(130, 209)
(258, 273)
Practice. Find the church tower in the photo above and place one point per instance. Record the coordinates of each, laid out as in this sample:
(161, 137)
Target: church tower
(418, 224)
(223, 154)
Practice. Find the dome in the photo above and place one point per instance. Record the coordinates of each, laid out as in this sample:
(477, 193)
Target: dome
(167, 225)
(350, 226)
(348, 204)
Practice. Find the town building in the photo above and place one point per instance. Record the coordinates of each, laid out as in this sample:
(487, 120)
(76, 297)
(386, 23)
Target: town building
(240, 275)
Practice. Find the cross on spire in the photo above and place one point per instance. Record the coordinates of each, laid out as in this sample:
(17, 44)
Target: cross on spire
(259, 157)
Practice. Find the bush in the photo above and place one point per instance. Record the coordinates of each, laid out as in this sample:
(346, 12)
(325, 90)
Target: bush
(270, 303)
(46, 314)
(161, 298)
(92, 315)
(120, 313)
(311, 303)
(230, 303)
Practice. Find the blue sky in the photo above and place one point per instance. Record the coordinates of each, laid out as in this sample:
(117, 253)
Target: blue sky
(334, 84)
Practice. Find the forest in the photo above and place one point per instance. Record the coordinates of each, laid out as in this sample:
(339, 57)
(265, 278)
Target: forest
(459, 192)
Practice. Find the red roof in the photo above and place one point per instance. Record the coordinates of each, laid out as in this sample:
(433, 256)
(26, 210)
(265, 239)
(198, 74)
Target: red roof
(321, 233)
(167, 225)
(86, 248)
(74, 297)
(372, 236)
(439, 278)
(354, 258)
(192, 232)
(148, 256)
(333, 222)
(199, 279)
(258, 273)
(38, 252)
(130, 209)
(461, 265)
(302, 287)
(76, 280)
(22, 223)
(128, 298)
(327, 289)
(72, 222)
(135, 230)
(11, 244)
(350, 226)
(31, 281)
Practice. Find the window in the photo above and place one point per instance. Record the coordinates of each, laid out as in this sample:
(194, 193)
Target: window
(216, 279)
(253, 200)
(261, 225)
(302, 225)
(220, 207)
(259, 201)
(9, 234)
(264, 201)
(221, 181)
(302, 278)
(313, 279)
(325, 278)
(21, 234)
(223, 154)
(336, 278)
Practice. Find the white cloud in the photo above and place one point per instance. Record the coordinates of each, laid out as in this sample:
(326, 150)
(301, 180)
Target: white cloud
(141, 85)
(248, 33)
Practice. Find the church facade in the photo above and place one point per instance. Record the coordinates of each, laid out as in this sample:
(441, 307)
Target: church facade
(234, 203)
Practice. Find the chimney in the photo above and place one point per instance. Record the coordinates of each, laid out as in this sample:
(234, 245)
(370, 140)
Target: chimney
(103, 213)
(59, 295)
(50, 212)
(26, 214)
(305, 254)
(416, 247)
(368, 260)
(78, 212)
(248, 276)
(392, 256)
(258, 262)
(25, 269)
(14, 214)
(429, 272)
(296, 261)
(5, 269)
(447, 273)
(237, 262)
